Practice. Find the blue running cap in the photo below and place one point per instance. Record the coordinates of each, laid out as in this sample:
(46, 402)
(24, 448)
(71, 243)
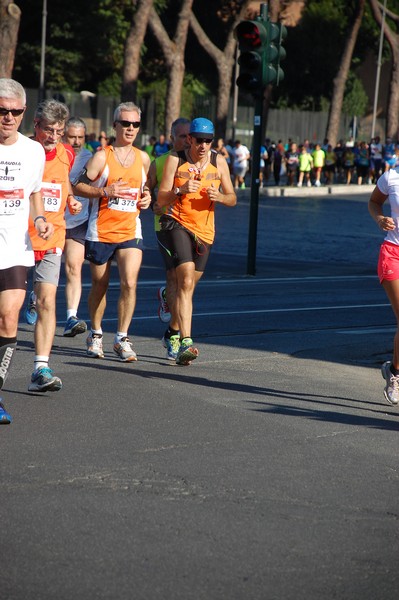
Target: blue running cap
(201, 125)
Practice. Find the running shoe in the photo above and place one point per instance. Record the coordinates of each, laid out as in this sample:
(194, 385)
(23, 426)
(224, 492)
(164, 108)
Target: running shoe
(94, 343)
(172, 346)
(187, 352)
(74, 326)
(30, 311)
(43, 380)
(391, 391)
(5, 417)
(124, 350)
(163, 309)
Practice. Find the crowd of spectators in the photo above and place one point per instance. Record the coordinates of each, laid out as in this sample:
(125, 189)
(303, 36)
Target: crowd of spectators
(306, 163)
(350, 162)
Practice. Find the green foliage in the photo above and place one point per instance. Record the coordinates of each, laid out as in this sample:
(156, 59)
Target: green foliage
(192, 88)
(355, 99)
(85, 49)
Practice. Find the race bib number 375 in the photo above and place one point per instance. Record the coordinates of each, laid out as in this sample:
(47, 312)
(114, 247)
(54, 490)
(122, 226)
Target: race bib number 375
(126, 204)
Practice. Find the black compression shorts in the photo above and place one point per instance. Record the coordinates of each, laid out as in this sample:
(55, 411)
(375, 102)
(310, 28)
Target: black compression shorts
(183, 245)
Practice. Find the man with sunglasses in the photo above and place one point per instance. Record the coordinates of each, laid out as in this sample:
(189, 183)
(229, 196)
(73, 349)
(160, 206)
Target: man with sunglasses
(21, 170)
(49, 124)
(193, 181)
(114, 179)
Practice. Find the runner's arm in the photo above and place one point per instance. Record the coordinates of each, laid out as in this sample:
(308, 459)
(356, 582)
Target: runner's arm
(166, 194)
(376, 201)
(45, 230)
(227, 196)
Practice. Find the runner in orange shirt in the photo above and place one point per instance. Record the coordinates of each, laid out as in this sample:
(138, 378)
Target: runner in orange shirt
(194, 181)
(49, 122)
(114, 179)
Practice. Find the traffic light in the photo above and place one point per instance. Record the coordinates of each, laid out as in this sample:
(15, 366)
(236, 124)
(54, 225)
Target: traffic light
(252, 39)
(276, 33)
(260, 44)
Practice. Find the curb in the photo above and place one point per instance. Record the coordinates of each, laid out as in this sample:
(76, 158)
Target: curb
(330, 190)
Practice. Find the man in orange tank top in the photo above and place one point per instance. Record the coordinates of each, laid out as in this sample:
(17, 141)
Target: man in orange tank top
(49, 123)
(193, 182)
(114, 179)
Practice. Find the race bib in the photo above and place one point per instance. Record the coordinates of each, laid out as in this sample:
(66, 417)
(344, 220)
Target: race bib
(126, 204)
(11, 201)
(51, 193)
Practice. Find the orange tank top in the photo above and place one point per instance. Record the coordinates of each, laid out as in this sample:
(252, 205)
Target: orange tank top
(55, 190)
(116, 220)
(195, 211)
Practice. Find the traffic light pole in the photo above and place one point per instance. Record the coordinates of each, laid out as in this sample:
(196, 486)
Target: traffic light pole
(255, 167)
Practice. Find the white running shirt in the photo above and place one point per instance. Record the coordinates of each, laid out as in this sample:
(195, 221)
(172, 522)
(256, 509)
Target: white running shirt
(21, 174)
(388, 184)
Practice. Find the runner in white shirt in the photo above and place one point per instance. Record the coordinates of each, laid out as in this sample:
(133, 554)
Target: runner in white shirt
(375, 159)
(76, 227)
(21, 170)
(241, 157)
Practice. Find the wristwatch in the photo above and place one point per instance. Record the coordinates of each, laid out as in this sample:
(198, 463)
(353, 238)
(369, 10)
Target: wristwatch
(177, 191)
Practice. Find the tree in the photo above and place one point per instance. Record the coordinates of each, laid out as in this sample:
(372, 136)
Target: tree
(134, 42)
(342, 75)
(392, 128)
(10, 15)
(173, 51)
(224, 61)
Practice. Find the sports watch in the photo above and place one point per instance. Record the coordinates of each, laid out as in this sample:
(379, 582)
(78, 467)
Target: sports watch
(177, 191)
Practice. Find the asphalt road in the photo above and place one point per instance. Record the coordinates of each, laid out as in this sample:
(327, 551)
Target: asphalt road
(265, 470)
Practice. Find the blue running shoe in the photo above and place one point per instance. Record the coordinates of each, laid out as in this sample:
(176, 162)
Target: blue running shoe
(187, 352)
(5, 417)
(30, 311)
(172, 346)
(74, 326)
(43, 380)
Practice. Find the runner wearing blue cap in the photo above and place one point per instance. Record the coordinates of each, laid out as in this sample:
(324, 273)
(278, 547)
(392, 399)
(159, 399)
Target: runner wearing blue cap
(193, 181)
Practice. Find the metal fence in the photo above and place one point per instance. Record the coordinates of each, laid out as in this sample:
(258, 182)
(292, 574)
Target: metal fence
(97, 111)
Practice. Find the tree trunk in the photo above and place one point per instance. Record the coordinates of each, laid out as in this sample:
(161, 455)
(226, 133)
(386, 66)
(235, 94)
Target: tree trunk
(393, 40)
(134, 42)
(342, 76)
(224, 61)
(10, 16)
(173, 51)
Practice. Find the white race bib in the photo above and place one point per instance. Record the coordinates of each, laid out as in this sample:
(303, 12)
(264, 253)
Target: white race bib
(126, 204)
(51, 193)
(11, 201)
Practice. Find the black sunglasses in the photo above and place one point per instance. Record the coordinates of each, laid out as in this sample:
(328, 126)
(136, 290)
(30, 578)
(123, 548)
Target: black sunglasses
(16, 112)
(201, 140)
(127, 124)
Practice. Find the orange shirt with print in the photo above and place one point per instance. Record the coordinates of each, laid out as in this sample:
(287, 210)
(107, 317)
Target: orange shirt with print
(195, 211)
(116, 220)
(55, 189)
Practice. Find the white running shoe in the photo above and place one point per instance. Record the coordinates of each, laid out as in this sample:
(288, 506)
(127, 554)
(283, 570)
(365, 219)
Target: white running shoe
(391, 391)
(124, 350)
(94, 344)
